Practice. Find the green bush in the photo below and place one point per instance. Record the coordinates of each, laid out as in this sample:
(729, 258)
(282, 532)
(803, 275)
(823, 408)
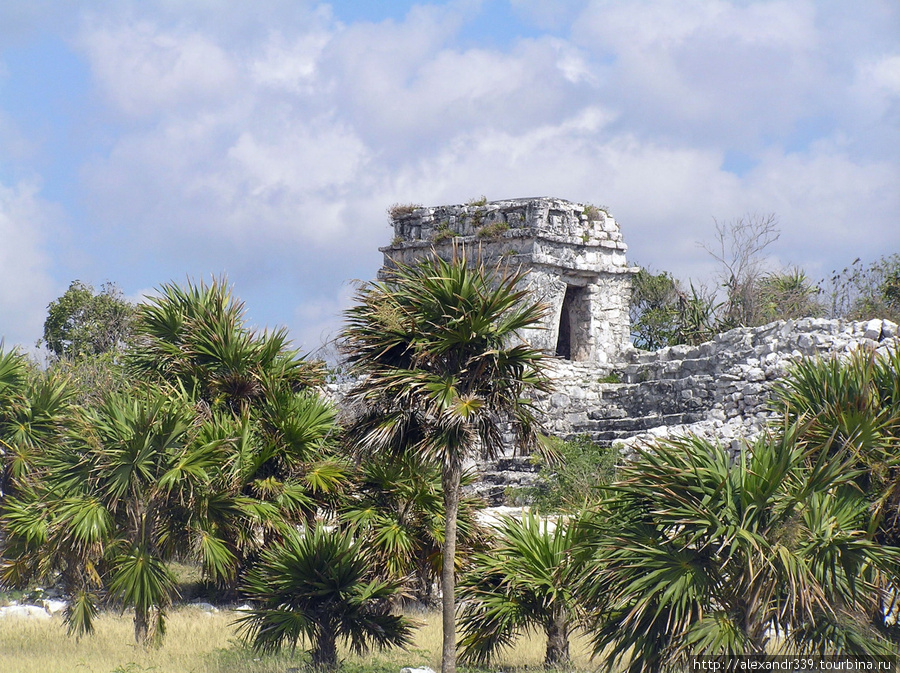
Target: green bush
(575, 478)
(442, 233)
(592, 212)
(863, 291)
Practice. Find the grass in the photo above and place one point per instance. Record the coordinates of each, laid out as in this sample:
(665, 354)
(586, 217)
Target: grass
(203, 642)
(398, 210)
(493, 230)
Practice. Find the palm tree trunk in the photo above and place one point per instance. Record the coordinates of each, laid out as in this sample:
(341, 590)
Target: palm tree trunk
(141, 626)
(424, 582)
(450, 479)
(557, 629)
(324, 655)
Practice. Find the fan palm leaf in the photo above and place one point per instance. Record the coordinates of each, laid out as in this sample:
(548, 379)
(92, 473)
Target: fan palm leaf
(318, 586)
(527, 580)
(703, 553)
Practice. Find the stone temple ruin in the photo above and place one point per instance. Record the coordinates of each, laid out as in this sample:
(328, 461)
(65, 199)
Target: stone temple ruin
(573, 256)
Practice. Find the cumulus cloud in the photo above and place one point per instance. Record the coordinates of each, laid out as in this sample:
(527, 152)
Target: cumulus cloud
(324, 117)
(25, 284)
(144, 70)
(267, 141)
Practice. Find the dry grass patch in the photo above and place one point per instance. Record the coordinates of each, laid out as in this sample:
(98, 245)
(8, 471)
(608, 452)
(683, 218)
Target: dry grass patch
(204, 642)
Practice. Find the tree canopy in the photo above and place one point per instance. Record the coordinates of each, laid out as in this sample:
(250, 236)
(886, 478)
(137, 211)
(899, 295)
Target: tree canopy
(85, 322)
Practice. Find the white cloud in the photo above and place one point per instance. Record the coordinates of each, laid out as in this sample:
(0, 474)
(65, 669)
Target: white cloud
(325, 116)
(290, 64)
(269, 142)
(25, 285)
(709, 71)
(144, 70)
(320, 319)
(876, 90)
(885, 74)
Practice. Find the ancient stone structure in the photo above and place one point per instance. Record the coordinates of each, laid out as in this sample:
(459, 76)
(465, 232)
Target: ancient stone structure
(572, 254)
(574, 259)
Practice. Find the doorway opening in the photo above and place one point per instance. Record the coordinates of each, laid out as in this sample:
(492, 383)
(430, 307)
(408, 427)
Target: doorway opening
(574, 319)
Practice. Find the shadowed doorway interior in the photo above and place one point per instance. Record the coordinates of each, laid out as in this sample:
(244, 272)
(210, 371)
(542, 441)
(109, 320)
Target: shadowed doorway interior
(572, 339)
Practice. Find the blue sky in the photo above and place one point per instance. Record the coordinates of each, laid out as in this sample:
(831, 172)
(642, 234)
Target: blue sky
(147, 142)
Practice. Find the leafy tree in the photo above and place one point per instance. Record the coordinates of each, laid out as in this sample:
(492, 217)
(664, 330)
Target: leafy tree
(319, 585)
(663, 314)
(85, 322)
(654, 309)
(441, 373)
(529, 579)
(396, 508)
(702, 553)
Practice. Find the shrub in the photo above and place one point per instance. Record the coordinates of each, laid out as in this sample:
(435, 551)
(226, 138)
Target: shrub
(528, 581)
(319, 585)
(442, 233)
(574, 478)
(703, 553)
(592, 212)
(861, 291)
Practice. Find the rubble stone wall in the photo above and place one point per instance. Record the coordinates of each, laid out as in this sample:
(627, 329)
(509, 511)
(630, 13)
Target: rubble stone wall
(719, 389)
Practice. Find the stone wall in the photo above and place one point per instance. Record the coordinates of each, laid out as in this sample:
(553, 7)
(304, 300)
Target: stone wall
(719, 389)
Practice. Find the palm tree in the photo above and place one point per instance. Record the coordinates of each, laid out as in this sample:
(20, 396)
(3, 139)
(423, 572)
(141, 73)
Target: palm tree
(319, 585)
(196, 336)
(855, 401)
(277, 472)
(851, 407)
(34, 411)
(702, 553)
(787, 294)
(442, 372)
(280, 468)
(113, 505)
(13, 370)
(528, 579)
